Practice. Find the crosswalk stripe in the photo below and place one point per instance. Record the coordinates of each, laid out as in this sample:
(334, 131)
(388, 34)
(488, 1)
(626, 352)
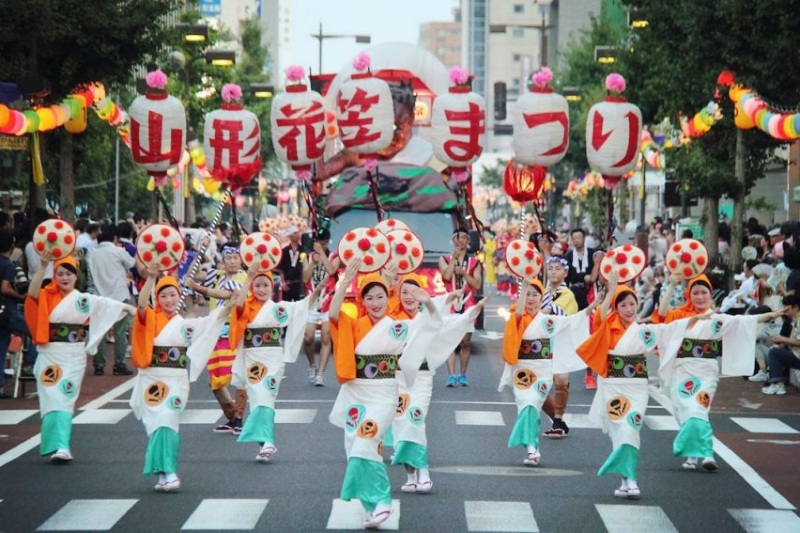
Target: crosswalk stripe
(15, 416)
(101, 416)
(661, 423)
(766, 520)
(87, 515)
(634, 519)
(351, 515)
(579, 421)
(500, 516)
(295, 416)
(217, 514)
(479, 418)
(201, 416)
(764, 425)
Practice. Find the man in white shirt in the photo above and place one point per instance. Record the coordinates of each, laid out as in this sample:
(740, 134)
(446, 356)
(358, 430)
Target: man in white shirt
(109, 266)
(739, 300)
(88, 240)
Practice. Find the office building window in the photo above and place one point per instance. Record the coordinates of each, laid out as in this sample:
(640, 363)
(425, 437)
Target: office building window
(519, 8)
(515, 58)
(517, 33)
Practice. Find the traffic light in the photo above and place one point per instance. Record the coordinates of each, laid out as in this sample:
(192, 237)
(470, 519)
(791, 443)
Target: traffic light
(499, 100)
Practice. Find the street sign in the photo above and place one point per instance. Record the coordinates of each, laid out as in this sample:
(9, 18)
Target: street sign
(12, 142)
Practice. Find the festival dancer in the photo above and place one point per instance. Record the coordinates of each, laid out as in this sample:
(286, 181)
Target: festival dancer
(219, 286)
(65, 326)
(408, 429)
(255, 332)
(163, 345)
(689, 369)
(366, 355)
(530, 344)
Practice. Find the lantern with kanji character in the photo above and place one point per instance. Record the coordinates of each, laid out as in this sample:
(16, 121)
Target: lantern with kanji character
(232, 141)
(458, 124)
(158, 128)
(298, 124)
(541, 128)
(613, 133)
(365, 112)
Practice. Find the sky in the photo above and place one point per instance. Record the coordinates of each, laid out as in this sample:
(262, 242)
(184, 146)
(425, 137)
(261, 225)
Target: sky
(383, 20)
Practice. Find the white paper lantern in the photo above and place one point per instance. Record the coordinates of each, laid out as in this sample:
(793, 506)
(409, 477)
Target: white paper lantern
(365, 114)
(158, 132)
(232, 144)
(458, 125)
(298, 127)
(613, 134)
(541, 128)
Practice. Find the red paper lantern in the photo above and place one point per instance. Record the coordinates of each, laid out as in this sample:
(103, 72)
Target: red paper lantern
(158, 131)
(523, 182)
(613, 134)
(298, 127)
(365, 111)
(232, 144)
(458, 124)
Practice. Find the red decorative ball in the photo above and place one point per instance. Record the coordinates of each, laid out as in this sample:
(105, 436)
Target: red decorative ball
(52, 236)
(364, 245)
(161, 247)
(686, 257)
(261, 248)
(401, 248)
(621, 259)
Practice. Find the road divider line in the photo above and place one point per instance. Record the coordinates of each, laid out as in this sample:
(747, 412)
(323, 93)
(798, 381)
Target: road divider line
(100, 401)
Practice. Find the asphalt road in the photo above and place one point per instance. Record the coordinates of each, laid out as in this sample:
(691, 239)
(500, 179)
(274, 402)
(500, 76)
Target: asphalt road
(479, 484)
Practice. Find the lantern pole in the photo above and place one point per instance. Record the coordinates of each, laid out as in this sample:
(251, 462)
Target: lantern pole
(522, 238)
(201, 252)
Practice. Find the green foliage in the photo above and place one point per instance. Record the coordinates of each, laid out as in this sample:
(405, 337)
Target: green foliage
(76, 41)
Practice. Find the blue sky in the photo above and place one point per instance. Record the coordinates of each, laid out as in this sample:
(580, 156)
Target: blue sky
(384, 20)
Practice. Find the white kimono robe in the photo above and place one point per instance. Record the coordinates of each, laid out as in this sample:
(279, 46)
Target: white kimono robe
(60, 366)
(160, 394)
(414, 399)
(365, 407)
(261, 369)
(692, 381)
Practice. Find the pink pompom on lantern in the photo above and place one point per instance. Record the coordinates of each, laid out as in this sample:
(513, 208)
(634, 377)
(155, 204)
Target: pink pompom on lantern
(303, 175)
(460, 176)
(295, 73)
(543, 78)
(231, 93)
(156, 79)
(459, 75)
(362, 62)
(615, 83)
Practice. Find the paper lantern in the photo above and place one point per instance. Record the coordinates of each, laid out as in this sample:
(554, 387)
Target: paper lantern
(78, 119)
(158, 128)
(47, 119)
(521, 182)
(5, 114)
(365, 111)
(232, 141)
(458, 125)
(541, 124)
(298, 124)
(613, 134)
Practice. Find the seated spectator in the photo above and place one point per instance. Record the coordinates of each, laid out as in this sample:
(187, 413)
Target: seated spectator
(765, 303)
(785, 354)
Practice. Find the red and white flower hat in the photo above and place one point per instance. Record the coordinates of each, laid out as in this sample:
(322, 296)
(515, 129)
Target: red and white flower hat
(687, 257)
(407, 250)
(390, 224)
(367, 243)
(627, 261)
(523, 259)
(54, 236)
(261, 250)
(160, 245)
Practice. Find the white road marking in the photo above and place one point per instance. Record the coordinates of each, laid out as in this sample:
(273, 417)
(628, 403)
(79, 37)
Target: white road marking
(479, 418)
(661, 423)
(579, 421)
(15, 416)
(351, 515)
(500, 516)
(220, 514)
(87, 515)
(635, 519)
(766, 520)
(764, 425)
(201, 416)
(295, 416)
(100, 401)
(101, 416)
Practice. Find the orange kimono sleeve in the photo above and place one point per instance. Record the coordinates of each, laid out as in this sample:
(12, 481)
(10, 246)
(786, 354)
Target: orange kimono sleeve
(239, 320)
(594, 351)
(343, 336)
(672, 316)
(142, 338)
(37, 314)
(512, 338)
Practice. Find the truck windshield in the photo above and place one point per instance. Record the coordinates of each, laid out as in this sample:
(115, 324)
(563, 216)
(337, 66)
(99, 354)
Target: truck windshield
(435, 229)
